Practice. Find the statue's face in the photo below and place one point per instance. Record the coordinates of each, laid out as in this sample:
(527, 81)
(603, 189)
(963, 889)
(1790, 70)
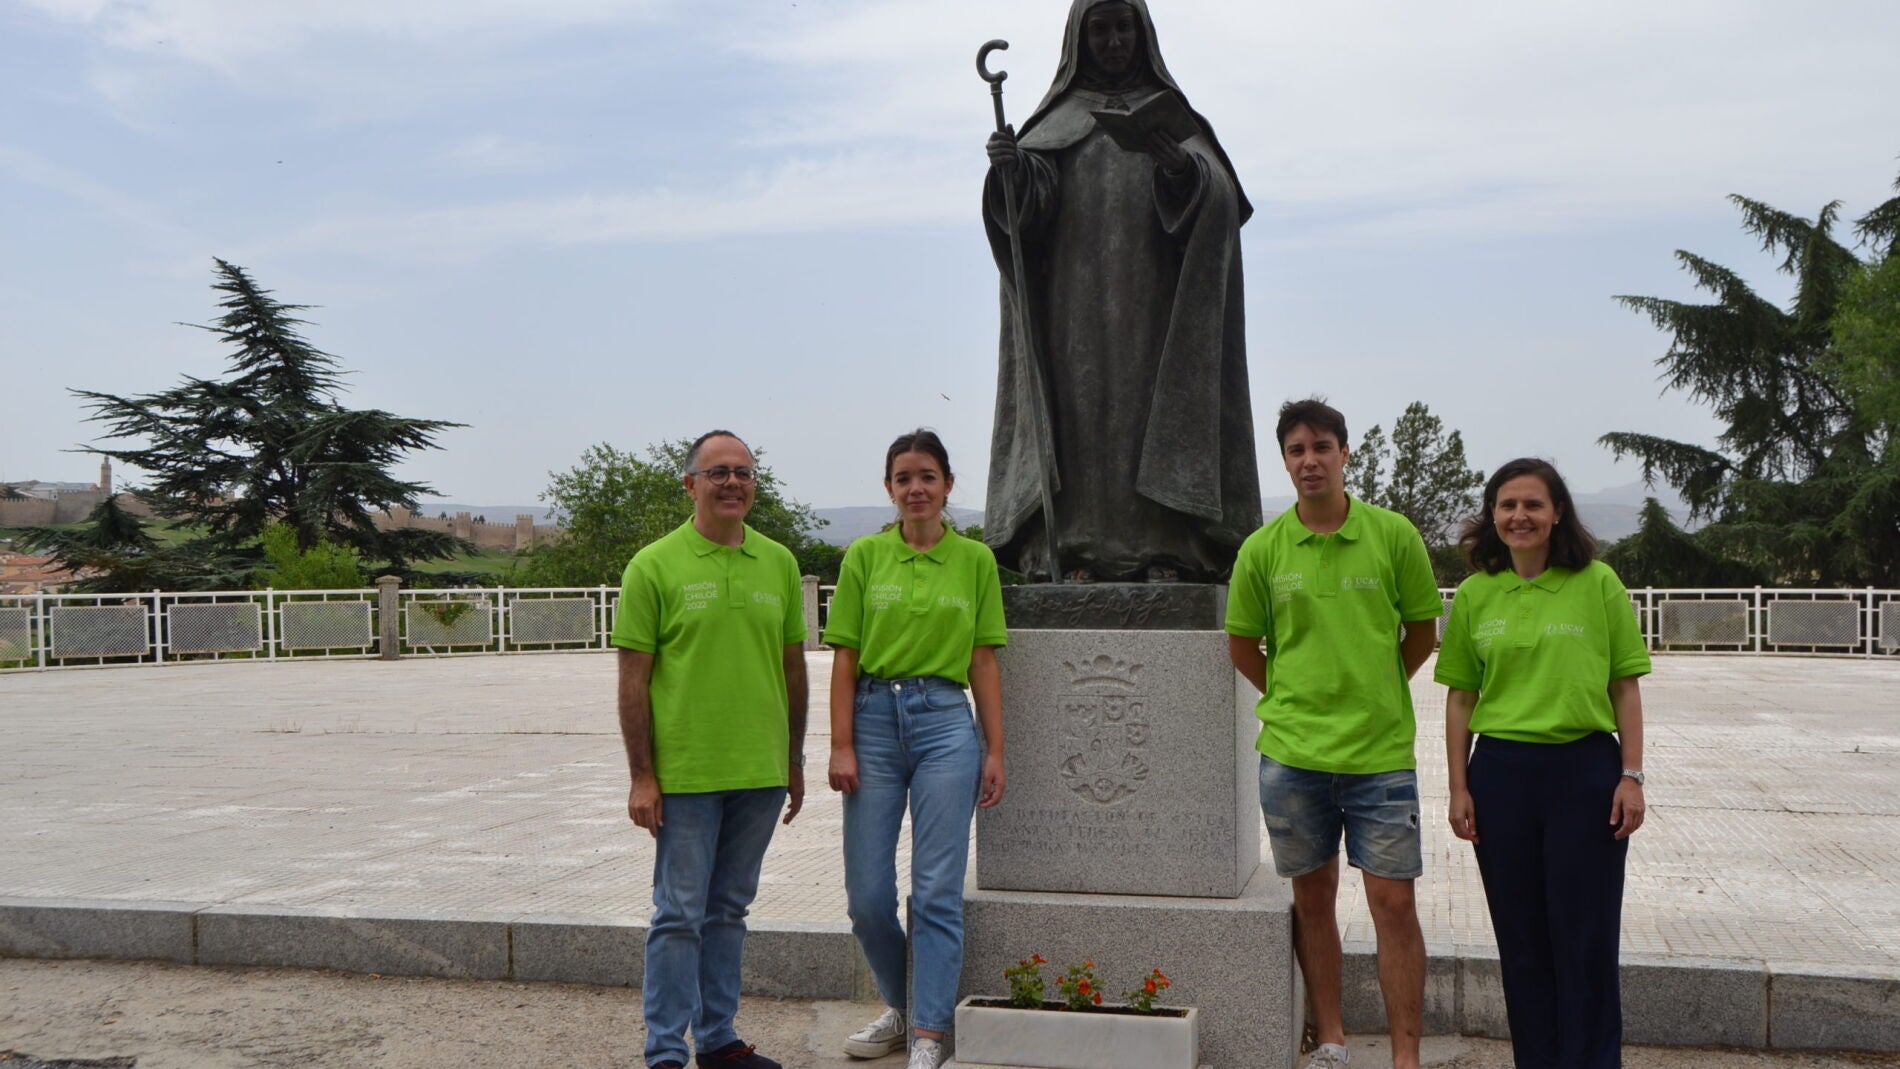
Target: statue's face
(1113, 35)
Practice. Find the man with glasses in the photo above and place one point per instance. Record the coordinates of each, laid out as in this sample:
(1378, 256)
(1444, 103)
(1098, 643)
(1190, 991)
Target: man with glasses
(711, 631)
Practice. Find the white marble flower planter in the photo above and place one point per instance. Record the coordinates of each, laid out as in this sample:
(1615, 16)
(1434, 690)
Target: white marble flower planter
(1058, 1039)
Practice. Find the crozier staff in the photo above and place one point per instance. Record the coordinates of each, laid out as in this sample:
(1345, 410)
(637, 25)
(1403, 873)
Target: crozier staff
(1542, 655)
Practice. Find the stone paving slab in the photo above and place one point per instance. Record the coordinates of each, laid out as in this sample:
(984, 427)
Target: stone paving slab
(494, 787)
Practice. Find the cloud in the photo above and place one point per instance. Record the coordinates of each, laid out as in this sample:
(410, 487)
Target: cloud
(500, 154)
(158, 231)
(854, 191)
(219, 33)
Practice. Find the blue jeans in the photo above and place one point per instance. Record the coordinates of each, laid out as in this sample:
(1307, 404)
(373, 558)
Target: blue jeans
(913, 737)
(705, 873)
(1306, 811)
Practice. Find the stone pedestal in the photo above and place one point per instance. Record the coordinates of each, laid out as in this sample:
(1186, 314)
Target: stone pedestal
(1131, 767)
(1131, 830)
(1232, 957)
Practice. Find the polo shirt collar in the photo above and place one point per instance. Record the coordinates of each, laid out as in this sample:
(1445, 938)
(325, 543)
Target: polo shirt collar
(937, 554)
(703, 546)
(1549, 580)
(1350, 530)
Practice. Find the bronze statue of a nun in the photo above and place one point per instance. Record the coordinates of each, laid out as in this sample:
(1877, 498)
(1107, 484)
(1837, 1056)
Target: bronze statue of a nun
(1132, 265)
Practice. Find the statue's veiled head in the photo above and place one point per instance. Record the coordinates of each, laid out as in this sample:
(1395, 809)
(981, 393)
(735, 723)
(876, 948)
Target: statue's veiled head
(1112, 45)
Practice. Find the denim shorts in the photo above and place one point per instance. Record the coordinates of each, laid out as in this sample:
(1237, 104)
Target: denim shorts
(1306, 811)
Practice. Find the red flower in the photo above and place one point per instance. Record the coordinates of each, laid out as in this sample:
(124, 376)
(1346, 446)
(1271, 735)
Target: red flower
(1038, 959)
(1098, 998)
(1150, 985)
(1083, 987)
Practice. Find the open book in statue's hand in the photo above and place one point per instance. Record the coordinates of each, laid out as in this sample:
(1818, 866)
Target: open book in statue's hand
(1164, 112)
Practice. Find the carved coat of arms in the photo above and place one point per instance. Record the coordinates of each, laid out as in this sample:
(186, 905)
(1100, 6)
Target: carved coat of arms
(1104, 730)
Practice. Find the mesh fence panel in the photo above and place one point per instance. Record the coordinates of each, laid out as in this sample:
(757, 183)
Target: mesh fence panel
(1814, 623)
(538, 620)
(325, 625)
(1890, 626)
(448, 623)
(16, 634)
(100, 631)
(1722, 622)
(220, 627)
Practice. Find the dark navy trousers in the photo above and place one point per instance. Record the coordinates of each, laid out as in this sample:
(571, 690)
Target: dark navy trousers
(1553, 878)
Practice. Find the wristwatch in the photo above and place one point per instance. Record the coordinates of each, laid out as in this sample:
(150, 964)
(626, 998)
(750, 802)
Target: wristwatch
(799, 760)
(1635, 774)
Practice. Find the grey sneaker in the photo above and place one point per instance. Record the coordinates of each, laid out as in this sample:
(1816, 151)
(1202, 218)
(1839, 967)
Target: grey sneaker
(1329, 1056)
(878, 1038)
(926, 1054)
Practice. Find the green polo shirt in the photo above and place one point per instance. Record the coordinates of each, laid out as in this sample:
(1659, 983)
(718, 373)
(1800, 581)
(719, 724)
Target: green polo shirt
(1541, 652)
(1330, 608)
(914, 614)
(717, 620)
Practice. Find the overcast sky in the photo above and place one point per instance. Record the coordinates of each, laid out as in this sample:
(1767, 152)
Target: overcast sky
(572, 221)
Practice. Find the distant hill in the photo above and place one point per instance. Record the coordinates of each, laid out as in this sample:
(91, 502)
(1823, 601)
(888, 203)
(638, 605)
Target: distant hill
(852, 522)
(1611, 513)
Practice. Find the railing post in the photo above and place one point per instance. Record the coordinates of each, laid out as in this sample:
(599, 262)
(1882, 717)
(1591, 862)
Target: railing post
(388, 637)
(810, 583)
(1869, 622)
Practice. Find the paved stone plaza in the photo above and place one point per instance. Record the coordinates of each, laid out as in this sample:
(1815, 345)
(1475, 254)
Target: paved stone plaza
(495, 787)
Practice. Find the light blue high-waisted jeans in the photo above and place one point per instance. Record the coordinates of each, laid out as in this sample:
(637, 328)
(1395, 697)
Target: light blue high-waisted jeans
(916, 742)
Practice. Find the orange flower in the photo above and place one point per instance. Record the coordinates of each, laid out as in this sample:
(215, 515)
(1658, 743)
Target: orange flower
(1039, 959)
(1150, 985)
(1088, 963)
(1083, 987)
(1159, 976)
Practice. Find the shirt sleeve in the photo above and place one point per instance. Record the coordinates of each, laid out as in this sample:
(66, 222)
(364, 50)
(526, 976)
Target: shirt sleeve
(1628, 655)
(844, 620)
(637, 614)
(1418, 587)
(990, 628)
(1459, 665)
(794, 601)
(1249, 610)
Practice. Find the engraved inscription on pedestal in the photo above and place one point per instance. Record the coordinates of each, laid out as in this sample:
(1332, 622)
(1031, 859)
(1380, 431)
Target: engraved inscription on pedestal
(1126, 768)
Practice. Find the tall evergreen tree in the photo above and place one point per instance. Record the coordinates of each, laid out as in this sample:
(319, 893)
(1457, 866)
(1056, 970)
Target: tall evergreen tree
(271, 444)
(1429, 481)
(1661, 554)
(1804, 483)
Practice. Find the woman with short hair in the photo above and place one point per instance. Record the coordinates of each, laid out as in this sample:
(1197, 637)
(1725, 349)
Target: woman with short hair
(1542, 654)
(916, 618)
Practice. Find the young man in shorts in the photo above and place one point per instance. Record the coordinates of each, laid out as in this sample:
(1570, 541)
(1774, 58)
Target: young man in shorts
(1320, 598)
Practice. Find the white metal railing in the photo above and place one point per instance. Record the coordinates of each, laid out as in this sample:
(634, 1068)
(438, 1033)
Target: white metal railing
(1862, 622)
(50, 631)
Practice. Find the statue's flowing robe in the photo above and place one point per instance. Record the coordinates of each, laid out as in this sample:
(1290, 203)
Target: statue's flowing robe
(1134, 287)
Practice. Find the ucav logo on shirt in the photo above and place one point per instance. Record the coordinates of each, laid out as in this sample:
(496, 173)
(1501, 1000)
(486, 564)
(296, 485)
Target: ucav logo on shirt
(1359, 582)
(1566, 630)
(766, 597)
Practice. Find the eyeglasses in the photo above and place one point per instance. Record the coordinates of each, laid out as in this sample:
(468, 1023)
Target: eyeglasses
(722, 474)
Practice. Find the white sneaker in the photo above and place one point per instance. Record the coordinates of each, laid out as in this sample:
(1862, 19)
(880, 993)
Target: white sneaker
(1328, 1056)
(878, 1038)
(926, 1053)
